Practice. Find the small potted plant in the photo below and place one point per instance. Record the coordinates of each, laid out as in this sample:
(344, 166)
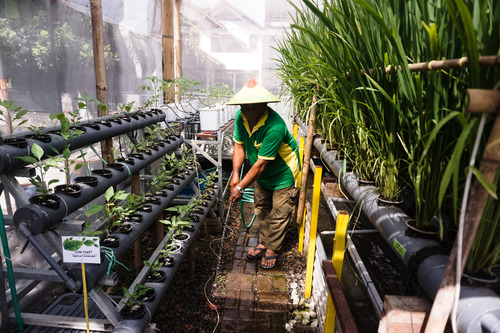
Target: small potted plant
(68, 132)
(113, 213)
(37, 133)
(134, 308)
(156, 275)
(13, 115)
(40, 181)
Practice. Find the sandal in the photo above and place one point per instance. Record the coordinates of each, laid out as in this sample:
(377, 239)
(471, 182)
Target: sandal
(266, 258)
(260, 250)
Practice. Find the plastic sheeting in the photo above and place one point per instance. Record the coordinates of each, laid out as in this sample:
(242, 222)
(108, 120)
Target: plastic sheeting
(46, 48)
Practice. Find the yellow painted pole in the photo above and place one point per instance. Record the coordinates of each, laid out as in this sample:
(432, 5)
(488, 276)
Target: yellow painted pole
(302, 231)
(312, 234)
(299, 184)
(85, 297)
(295, 130)
(338, 261)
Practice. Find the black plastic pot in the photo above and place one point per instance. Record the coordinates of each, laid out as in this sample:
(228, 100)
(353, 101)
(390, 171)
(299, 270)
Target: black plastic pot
(116, 166)
(16, 142)
(133, 218)
(45, 138)
(72, 190)
(136, 311)
(124, 228)
(155, 277)
(49, 201)
(111, 241)
(102, 172)
(126, 160)
(88, 180)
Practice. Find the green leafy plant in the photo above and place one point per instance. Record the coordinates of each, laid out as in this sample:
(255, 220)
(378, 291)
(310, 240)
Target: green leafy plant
(12, 115)
(42, 166)
(216, 93)
(88, 231)
(67, 132)
(176, 224)
(113, 212)
(156, 86)
(133, 297)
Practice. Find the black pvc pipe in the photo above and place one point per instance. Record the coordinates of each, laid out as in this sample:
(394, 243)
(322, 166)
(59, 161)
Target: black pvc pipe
(94, 271)
(40, 218)
(139, 325)
(8, 153)
(478, 308)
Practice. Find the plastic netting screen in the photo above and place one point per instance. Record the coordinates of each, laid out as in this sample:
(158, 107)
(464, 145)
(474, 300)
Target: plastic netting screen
(46, 51)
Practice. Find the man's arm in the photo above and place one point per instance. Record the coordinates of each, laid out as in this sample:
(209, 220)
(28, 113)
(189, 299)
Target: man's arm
(238, 158)
(251, 176)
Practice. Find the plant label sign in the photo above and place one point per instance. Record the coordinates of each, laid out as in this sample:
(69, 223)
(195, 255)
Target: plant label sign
(81, 250)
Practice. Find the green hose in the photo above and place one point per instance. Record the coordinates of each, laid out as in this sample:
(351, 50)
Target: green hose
(248, 194)
(10, 272)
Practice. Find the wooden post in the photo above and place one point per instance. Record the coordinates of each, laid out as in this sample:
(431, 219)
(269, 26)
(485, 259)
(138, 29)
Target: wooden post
(307, 157)
(160, 230)
(167, 43)
(490, 162)
(100, 71)
(178, 54)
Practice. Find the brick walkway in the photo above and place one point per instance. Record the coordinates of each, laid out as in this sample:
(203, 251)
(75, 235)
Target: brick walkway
(256, 298)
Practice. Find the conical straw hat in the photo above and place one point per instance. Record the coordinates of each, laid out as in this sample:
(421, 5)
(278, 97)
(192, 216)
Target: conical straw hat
(253, 93)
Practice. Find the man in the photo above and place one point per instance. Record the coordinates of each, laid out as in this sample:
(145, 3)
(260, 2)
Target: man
(273, 153)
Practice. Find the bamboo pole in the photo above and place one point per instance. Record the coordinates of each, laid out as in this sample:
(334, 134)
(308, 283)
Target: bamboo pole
(490, 162)
(307, 157)
(178, 54)
(434, 65)
(167, 43)
(100, 71)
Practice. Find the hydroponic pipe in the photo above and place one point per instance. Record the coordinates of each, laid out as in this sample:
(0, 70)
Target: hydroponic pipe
(478, 308)
(94, 272)
(8, 153)
(40, 218)
(139, 325)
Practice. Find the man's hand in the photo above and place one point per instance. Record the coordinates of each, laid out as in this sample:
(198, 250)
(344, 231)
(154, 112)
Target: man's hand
(235, 194)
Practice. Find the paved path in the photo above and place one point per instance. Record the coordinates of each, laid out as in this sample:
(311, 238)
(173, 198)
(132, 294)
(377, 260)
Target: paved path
(256, 298)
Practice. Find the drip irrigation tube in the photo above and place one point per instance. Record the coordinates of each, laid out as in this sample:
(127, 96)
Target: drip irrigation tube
(425, 260)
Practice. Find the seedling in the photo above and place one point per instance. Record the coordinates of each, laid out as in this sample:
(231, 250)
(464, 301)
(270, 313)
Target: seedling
(132, 298)
(113, 213)
(68, 133)
(42, 166)
(12, 115)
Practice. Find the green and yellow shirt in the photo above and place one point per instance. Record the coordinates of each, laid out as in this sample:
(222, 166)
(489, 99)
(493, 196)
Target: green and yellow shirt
(269, 140)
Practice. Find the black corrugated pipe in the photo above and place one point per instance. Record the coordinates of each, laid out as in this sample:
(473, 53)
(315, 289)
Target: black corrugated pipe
(139, 325)
(40, 218)
(425, 260)
(94, 272)
(8, 153)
